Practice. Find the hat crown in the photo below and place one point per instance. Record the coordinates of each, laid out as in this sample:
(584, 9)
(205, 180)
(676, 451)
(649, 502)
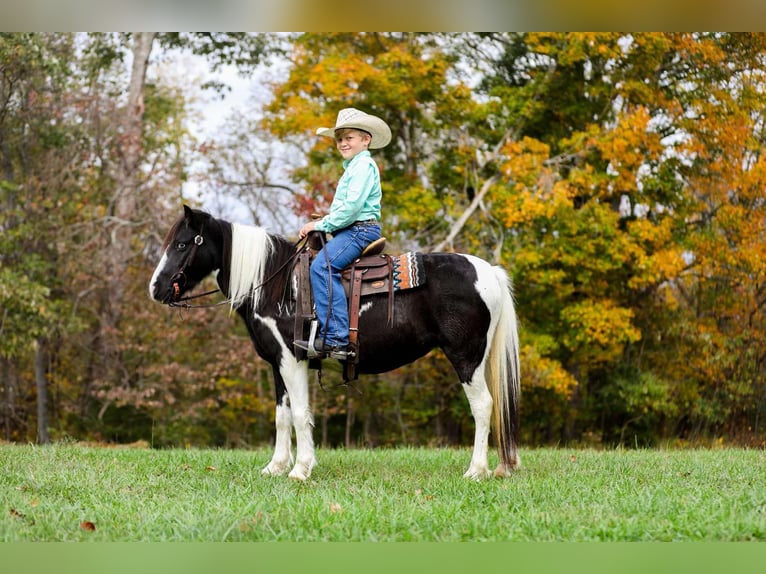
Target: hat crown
(348, 115)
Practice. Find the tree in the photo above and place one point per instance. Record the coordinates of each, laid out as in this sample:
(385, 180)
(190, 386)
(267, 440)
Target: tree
(616, 193)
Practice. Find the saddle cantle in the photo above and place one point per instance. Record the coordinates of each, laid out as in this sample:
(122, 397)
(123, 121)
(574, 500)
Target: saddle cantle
(372, 273)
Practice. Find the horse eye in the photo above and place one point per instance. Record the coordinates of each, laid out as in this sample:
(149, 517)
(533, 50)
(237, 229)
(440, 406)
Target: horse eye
(180, 246)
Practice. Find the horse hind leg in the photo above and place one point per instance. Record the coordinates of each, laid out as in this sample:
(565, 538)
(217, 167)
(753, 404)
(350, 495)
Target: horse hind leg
(480, 402)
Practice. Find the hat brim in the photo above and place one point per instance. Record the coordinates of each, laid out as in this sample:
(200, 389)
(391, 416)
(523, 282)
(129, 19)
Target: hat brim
(379, 131)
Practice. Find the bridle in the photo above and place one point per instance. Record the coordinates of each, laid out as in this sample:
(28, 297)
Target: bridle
(178, 280)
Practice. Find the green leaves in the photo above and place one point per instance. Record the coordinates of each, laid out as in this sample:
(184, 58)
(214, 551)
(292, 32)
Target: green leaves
(26, 313)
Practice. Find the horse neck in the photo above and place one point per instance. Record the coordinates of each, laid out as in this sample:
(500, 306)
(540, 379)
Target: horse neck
(257, 266)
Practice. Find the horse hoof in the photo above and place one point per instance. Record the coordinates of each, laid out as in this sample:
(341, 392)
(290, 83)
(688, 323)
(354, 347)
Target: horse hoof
(477, 474)
(302, 471)
(506, 470)
(502, 471)
(274, 470)
(297, 475)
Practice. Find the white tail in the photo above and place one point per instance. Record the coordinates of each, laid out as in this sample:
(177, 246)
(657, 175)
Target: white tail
(504, 379)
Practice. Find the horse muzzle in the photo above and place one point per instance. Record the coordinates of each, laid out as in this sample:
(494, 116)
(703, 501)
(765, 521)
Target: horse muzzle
(172, 294)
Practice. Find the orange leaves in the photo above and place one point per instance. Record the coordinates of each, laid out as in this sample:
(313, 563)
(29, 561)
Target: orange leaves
(629, 146)
(656, 257)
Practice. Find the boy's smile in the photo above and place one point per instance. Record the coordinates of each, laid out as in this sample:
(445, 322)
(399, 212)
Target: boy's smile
(350, 143)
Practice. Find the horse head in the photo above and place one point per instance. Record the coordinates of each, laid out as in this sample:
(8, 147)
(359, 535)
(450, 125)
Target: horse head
(189, 255)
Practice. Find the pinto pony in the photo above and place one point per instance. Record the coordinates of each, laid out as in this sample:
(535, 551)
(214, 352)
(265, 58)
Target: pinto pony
(465, 307)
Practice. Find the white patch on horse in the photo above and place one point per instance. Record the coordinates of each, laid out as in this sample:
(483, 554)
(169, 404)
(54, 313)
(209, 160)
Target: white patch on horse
(295, 376)
(282, 459)
(366, 307)
(487, 286)
(156, 274)
(494, 287)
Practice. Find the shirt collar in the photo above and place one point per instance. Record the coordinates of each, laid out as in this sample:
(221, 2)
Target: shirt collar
(347, 162)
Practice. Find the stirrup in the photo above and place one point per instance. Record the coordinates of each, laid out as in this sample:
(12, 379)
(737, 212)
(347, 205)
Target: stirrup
(311, 351)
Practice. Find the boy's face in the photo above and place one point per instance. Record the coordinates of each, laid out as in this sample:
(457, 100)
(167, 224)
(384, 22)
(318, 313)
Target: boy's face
(351, 142)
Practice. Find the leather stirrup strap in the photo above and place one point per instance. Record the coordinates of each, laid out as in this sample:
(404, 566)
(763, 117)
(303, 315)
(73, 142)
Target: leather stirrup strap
(303, 302)
(354, 299)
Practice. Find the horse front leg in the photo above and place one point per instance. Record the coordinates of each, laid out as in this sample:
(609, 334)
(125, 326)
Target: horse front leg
(481, 408)
(295, 375)
(282, 459)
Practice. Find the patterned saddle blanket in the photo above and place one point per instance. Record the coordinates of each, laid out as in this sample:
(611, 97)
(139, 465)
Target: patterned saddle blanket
(386, 273)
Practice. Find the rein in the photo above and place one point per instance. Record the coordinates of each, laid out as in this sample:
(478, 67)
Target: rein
(199, 240)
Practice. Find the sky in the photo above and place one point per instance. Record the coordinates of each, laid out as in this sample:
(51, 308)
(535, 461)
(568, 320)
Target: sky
(210, 112)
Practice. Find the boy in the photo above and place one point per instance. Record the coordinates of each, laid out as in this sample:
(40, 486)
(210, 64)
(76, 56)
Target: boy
(352, 221)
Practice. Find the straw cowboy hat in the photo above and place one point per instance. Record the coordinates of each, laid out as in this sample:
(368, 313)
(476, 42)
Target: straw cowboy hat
(358, 120)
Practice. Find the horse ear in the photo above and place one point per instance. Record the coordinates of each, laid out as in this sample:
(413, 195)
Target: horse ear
(188, 212)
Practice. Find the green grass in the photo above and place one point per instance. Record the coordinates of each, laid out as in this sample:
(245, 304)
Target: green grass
(46, 493)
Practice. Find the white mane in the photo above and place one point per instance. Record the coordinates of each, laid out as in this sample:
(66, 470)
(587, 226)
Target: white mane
(250, 249)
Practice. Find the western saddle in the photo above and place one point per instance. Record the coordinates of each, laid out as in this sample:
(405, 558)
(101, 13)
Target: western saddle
(368, 274)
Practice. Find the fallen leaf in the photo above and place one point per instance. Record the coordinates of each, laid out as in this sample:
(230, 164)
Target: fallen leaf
(335, 507)
(211, 468)
(573, 458)
(16, 514)
(88, 525)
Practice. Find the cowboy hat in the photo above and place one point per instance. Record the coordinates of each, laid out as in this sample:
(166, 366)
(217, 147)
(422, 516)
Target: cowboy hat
(358, 120)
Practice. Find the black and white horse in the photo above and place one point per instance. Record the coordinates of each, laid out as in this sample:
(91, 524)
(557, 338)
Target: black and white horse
(465, 308)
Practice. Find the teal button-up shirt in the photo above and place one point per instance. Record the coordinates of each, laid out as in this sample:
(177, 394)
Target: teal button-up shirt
(358, 195)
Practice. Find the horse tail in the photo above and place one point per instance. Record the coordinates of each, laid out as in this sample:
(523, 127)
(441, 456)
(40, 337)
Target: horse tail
(504, 379)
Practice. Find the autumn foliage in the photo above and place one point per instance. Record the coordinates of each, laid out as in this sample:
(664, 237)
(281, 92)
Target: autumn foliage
(619, 178)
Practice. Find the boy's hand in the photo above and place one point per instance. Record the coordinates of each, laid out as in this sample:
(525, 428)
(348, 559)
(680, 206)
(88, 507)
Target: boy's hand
(306, 229)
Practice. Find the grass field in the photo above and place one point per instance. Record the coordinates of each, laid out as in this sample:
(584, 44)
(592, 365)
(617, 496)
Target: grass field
(73, 493)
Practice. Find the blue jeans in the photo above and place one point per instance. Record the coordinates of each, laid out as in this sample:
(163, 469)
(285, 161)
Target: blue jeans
(346, 245)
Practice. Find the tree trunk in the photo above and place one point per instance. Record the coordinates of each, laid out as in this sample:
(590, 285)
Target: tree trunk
(122, 215)
(5, 406)
(10, 388)
(125, 199)
(41, 380)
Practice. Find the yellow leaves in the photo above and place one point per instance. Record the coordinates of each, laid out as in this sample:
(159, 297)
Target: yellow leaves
(534, 188)
(656, 257)
(416, 205)
(599, 329)
(660, 266)
(544, 372)
(524, 157)
(572, 47)
(629, 146)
